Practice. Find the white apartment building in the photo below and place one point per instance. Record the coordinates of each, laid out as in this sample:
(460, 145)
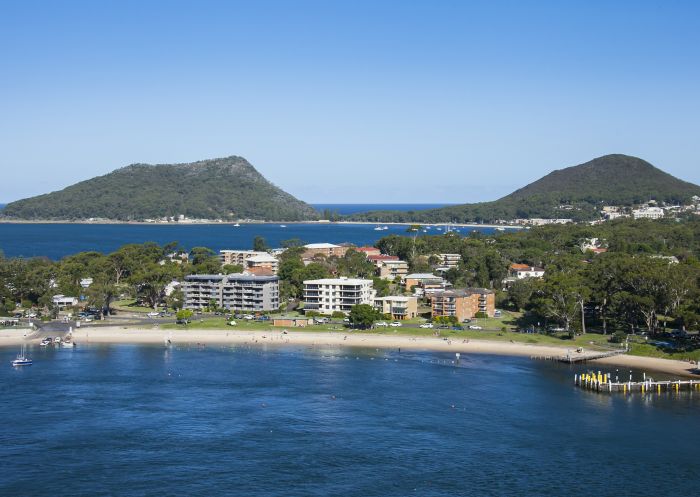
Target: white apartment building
(648, 213)
(329, 295)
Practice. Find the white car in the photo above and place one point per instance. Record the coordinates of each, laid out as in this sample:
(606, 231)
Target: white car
(395, 324)
(153, 314)
(31, 315)
(248, 317)
(381, 323)
(475, 327)
(427, 325)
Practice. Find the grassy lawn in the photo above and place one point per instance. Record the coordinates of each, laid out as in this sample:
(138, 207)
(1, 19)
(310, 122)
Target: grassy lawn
(129, 306)
(648, 350)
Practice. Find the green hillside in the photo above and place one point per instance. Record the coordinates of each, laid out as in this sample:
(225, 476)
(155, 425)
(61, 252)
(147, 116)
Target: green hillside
(228, 188)
(609, 180)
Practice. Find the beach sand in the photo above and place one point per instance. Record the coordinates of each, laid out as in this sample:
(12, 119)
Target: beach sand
(354, 339)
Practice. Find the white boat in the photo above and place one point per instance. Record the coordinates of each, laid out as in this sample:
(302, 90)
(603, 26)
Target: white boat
(385, 227)
(236, 225)
(500, 228)
(22, 359)
(378, 228)
(283, 225)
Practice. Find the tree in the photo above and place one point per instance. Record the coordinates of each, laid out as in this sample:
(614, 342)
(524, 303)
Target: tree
(183, 316)
(259, 244)
(363, 316)
(150, 282)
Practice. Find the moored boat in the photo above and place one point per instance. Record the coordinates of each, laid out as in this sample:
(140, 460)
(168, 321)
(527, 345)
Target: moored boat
(22, 359)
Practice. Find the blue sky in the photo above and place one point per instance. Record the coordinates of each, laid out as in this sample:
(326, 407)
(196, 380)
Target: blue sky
(433, 101)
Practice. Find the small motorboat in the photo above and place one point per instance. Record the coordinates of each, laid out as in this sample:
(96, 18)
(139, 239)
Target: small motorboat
(378, 228)
(236, 225)
(283, 225)
(22, 359)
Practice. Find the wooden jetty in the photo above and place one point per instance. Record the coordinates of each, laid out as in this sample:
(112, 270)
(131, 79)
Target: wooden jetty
(580, 357)
(602, 382)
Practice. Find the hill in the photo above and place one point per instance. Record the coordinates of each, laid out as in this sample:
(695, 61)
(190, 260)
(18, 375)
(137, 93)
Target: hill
(609, 180)
(227, 188)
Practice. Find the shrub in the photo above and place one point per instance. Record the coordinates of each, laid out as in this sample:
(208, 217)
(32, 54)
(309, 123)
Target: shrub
(481, 315)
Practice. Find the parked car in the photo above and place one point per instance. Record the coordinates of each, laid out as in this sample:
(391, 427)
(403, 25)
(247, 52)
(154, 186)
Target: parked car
(497, 314)
(153, 314)
(427, 325)
(381, 324)
(248, 317)
(396, 324)
(475, 327)
(457, 328)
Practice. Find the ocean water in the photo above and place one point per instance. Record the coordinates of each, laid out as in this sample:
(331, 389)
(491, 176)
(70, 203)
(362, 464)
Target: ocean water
(58, 240)
(347, 209)
(143, 420)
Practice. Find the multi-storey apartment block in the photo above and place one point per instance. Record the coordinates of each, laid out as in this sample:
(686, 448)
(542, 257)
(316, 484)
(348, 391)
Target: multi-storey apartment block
(337, 294)
(236, 292)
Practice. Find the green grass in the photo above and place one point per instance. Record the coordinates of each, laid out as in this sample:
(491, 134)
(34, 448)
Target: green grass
(129, 305)
(649, 350)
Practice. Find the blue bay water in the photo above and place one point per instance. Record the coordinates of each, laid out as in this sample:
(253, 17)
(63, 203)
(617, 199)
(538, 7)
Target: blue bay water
(58, 240)
(347, 209)
(141, 420)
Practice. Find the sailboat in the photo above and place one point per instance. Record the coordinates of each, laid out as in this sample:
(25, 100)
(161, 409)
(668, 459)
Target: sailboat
(22, 359)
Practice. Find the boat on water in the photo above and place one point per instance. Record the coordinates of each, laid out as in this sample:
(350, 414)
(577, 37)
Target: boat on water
(385, 227)
(500, 228)
(378, 228)
(283, 225)
(236, 225)
(22, 359)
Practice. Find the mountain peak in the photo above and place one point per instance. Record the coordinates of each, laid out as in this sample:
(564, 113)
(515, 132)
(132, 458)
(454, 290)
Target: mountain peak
(221, 188)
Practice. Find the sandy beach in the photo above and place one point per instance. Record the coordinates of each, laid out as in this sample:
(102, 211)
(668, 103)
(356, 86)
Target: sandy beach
(131, 335)
(318, 339)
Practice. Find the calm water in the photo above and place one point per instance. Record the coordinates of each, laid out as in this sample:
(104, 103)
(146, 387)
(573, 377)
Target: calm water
(133, 421)
(347, 209)
(58, 240)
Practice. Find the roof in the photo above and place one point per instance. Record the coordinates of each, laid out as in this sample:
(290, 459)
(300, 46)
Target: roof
(321, 246)
(393, 261)
(464, 292)
(382, 257)
(367, 249)
(396, 298)
(519, 266)
(262, 258)
(531, 268)
(422, 276)
(230, 277)
(337, 281)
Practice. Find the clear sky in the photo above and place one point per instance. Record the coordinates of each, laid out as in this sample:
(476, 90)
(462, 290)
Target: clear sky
(433, 101)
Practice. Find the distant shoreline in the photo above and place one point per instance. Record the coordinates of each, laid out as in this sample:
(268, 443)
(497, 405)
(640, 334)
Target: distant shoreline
(231, 223)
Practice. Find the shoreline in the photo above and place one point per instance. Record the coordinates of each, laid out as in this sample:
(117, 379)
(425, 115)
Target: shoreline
(158, 336)
(246, 222)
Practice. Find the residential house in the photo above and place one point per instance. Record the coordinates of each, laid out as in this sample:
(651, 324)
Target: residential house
(63, 302)
(520, 271)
